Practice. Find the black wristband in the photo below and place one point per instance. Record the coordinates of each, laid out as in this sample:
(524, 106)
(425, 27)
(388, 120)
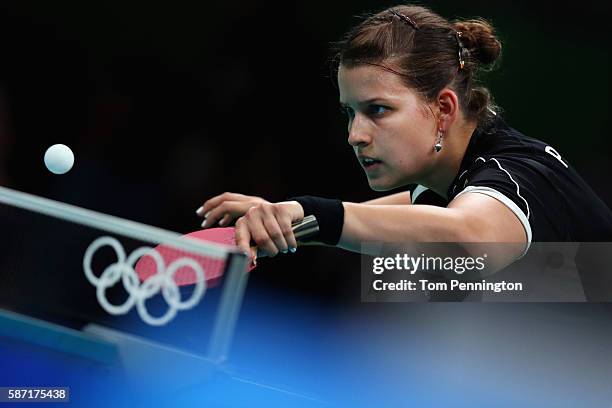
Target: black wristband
(329, 214)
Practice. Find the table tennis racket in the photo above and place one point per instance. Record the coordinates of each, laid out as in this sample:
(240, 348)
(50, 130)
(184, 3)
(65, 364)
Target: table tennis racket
(213, 267)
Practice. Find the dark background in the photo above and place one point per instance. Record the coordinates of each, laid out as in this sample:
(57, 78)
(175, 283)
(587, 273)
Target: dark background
(167, 105)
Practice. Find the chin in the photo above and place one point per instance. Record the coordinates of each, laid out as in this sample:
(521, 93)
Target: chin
(382, 185)
(387, 182)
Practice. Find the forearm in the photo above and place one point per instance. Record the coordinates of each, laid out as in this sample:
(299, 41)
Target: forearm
(393, 199)
(469, 225)
(399, 224)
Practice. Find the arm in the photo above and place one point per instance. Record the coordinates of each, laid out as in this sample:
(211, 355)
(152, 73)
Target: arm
(471, 218)
(223, 209)
(403, 198)
(423, 223)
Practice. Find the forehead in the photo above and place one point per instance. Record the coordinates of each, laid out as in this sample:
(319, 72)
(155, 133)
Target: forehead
(364, 82)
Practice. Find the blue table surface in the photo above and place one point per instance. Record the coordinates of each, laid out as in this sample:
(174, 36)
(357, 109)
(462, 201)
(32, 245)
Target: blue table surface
(294, 352)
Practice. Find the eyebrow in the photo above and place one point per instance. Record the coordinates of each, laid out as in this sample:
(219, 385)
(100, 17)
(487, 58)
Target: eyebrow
(366, 102)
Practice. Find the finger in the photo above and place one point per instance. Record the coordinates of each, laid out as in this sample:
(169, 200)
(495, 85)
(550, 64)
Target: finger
(259, 233)
(285, 226)
(234, 210)
(276, 234)
(229, 209)
(217, 200)
(226, 220)
(242, 236)
(210, 204)
(212, 217)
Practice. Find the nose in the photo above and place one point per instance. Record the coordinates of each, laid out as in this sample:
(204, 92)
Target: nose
(358, 134)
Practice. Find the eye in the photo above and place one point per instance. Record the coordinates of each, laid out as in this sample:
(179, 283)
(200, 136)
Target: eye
(348, 111)
(377, 110)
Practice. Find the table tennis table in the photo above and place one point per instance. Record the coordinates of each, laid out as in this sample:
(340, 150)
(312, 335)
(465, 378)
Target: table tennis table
(50, 321)
(104, 367)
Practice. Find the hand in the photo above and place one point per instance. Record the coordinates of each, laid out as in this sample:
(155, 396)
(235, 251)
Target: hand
(268, 225)
(226, 207)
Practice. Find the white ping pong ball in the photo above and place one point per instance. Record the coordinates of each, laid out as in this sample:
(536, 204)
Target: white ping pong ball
(59, 159)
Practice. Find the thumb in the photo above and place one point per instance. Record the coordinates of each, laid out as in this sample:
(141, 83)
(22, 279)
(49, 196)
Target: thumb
(295, 210)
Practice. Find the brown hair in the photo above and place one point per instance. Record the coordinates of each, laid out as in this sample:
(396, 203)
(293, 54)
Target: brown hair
(426, 50)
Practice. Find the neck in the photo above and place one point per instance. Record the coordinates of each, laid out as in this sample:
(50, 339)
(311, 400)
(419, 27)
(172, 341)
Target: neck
(449, 158)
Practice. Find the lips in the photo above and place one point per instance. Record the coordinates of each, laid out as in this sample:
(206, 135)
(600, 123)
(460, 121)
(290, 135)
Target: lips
(369, 162)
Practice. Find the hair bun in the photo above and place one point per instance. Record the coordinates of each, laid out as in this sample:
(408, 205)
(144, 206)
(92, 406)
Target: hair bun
(478, 36)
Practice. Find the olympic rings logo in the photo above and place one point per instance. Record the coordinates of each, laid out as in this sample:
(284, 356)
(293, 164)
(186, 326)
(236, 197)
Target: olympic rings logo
(162, 281)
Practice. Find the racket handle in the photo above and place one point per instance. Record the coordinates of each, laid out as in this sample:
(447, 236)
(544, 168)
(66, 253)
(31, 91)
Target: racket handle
(305, 229)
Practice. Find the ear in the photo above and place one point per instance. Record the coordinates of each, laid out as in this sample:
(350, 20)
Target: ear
(448, 108)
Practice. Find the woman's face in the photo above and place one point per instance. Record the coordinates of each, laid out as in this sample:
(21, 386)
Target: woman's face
(390, 128)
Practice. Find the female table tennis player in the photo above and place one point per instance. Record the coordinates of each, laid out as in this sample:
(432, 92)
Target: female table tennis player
(408, 83)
